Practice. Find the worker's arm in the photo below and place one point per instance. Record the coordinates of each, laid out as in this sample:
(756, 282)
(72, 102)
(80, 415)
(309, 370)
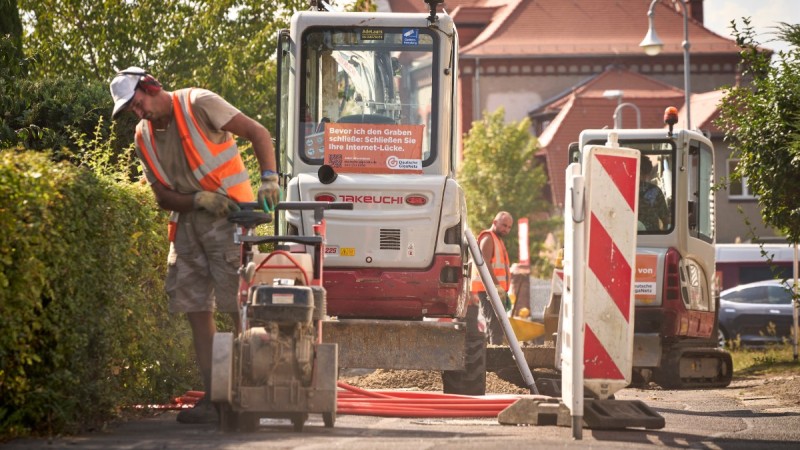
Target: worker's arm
(269, 191)
(487, 250)
(172, 200)
(249, 129)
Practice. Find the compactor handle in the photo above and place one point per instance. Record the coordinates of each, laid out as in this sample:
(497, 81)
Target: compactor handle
(317, 207)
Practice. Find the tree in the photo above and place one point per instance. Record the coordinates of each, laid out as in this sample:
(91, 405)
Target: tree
(10, 39)
(761, 121)
(227, 46)
(500, 173)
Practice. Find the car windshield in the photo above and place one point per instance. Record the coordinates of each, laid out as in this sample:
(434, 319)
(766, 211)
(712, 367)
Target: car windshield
(769, 294)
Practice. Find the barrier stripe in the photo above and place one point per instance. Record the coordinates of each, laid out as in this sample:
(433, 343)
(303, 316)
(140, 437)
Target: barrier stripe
(606, 261)
(599, 364)
(622, 171)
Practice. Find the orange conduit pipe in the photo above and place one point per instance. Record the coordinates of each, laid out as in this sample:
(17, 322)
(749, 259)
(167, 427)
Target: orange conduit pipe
(407, 404)
(356, 401)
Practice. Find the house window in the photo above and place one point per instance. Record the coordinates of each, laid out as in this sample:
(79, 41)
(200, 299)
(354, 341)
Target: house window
(737, 187)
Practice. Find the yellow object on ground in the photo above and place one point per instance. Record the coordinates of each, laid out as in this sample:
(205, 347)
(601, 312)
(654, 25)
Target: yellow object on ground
(526, 330)
(524, 313)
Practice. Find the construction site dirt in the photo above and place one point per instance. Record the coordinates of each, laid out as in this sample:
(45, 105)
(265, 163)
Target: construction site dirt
(752, 413)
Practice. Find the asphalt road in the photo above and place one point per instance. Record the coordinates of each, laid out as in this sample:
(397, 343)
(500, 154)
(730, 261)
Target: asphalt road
(706, 419)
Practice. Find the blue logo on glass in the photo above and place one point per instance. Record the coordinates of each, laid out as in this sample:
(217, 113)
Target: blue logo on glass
(410, 36)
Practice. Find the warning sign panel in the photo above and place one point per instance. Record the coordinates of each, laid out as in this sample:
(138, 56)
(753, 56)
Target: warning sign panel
(645, 284)
(371, 148)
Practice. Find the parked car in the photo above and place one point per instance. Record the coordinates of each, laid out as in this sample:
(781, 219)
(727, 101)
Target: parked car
(756, 313)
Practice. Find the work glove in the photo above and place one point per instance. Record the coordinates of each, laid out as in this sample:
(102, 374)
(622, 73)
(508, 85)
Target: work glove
(269, 191)
(503, 297)
(217, 204)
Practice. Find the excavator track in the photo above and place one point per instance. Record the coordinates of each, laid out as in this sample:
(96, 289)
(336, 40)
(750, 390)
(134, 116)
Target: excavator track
(695, 368)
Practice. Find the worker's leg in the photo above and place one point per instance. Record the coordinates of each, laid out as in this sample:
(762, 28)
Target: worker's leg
(494, 330)
(224, 261)
(203, 329)
(191, 291)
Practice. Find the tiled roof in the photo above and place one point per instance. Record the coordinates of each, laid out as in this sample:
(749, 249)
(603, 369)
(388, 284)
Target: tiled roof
(556, 28)
(704, 111)
(586, 108)
(635, 86)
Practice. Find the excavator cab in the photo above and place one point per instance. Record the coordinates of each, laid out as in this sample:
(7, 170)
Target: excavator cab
(368, 115)
(676, 299)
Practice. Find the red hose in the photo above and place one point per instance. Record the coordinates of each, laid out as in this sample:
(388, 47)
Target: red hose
(407, 404)
(356, 401)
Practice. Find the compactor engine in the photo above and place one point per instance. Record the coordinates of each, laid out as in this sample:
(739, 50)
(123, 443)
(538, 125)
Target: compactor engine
(280, 343)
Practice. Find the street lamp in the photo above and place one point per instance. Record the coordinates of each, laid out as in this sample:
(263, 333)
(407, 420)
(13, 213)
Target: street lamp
(618, 117)
(652, 46)
(617, 94)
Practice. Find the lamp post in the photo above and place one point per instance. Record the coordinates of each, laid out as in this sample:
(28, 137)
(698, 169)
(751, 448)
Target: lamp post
(618, 117)
(652, 45)
(617, 94)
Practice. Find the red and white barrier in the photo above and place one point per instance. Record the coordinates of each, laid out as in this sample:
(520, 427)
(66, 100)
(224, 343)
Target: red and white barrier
(596, 321)
(612, 180)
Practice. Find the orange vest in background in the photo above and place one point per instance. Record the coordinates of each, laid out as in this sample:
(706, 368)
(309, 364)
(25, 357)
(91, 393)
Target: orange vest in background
(498, 264)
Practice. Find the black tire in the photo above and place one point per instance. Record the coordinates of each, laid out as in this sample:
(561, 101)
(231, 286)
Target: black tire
(329, 419)
(249, 422)
(471, 380)
(638, 380)
(228, 419)
(668, 375)
(298, 421)
(722, 340)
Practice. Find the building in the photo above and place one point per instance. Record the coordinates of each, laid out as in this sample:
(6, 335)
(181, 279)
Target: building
(552, 60)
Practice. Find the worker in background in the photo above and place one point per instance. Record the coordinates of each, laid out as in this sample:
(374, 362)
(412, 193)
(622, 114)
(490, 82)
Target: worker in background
(494, 253)
(191, 161)
(653, 210)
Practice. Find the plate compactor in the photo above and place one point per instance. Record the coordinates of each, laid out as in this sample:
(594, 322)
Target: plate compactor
(274, 365)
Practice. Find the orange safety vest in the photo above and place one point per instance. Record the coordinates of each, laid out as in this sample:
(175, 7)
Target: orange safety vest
(217, 167)
(498, 264)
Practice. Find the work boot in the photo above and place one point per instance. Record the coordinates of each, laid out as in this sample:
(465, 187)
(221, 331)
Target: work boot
(203, 412)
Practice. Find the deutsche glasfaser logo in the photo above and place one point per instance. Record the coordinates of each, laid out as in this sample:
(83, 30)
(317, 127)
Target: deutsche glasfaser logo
(395, 163)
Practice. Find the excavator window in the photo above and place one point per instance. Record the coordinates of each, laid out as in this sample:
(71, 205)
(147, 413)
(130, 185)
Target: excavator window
(371, 76)
(656, 181)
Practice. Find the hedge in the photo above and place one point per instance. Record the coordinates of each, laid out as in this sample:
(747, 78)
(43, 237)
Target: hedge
(44, 114)
(85, 328)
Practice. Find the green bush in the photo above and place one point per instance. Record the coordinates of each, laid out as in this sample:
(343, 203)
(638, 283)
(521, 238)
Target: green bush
(45, 113)
(83, 314)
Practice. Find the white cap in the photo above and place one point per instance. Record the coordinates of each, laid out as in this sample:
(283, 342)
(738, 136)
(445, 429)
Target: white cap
(123, 86)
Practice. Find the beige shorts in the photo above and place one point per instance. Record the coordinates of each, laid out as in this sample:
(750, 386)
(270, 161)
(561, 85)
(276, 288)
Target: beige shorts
(202, 265)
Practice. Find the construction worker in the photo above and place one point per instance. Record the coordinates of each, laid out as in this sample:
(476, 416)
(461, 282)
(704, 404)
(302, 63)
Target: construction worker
(191, 161)
(494, 253)
(653, 210)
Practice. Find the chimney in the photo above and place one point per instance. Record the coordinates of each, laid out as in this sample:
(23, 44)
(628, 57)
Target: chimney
(695, 9)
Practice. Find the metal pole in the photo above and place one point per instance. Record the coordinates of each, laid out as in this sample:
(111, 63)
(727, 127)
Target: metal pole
(794, 303)
(686, 67)
(687, 87)
(618, 116)
(578, 326)
(500, 312)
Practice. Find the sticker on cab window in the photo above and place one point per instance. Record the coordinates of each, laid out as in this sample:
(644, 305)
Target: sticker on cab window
(371, 34)
(410, 36)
